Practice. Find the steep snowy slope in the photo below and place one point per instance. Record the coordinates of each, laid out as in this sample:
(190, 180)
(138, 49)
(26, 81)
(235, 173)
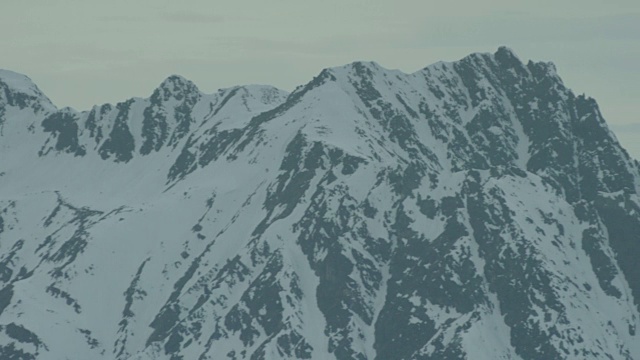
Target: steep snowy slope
(475, 209)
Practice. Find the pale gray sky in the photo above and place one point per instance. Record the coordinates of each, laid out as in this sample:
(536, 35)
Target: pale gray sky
(83, 52)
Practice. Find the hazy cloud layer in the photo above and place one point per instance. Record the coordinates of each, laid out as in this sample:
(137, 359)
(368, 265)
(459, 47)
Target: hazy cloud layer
(629, 137)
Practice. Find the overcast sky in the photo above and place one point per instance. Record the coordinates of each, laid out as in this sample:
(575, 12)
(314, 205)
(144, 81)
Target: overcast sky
(84, 52)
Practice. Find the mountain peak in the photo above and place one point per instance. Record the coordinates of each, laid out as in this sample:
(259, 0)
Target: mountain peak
(368, 64)
(20, 90)
(506, 52)
(359, 67)
(508, 59)
(176, 86)
(18, 82)
(176, 80)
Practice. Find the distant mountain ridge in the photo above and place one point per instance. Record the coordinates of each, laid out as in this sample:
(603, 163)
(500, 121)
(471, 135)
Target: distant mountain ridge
(476, 209)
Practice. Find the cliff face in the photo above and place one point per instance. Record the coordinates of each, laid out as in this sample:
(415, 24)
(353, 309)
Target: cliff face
(475, 209)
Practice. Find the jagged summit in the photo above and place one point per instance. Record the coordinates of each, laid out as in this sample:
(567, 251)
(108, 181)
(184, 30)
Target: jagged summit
(506, 56)
(505, 51)
(19, 83)
(374, 66)
(475, 209)
(18, 90)
(176, 87)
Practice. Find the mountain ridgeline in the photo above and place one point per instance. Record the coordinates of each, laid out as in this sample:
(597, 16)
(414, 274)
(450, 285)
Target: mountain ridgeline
(476, 209)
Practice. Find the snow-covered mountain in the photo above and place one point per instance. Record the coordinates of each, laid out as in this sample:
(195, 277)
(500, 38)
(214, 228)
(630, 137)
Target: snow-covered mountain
(471, 210)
